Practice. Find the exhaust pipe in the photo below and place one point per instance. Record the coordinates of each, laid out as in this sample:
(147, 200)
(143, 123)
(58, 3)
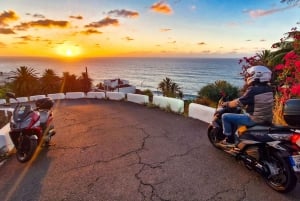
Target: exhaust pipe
(252, 163)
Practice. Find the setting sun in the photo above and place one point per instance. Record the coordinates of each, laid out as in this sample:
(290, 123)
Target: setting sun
(67, 50)
(69, 53)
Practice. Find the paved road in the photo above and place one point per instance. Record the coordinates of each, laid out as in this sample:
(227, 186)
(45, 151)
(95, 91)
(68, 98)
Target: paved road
(109, 150)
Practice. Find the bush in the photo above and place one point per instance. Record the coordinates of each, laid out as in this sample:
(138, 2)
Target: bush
(213, 92)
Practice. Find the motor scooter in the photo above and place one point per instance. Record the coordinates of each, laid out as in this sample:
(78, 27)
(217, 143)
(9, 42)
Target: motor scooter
(271, 150)
(31, 127)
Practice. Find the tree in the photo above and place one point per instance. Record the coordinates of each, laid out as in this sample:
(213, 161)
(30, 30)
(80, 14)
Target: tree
(170, 88)
(25, 81)
(85, 82)
(49, 82)
(216, 90)
(69, 83)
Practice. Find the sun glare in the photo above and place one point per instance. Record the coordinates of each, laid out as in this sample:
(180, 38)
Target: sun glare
(66, 50)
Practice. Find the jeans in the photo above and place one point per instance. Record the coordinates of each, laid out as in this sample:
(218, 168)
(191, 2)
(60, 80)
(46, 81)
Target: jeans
(231, 122)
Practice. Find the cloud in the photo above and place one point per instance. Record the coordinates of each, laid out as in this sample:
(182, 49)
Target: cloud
(8, 16)
(6, 31)
(128, 38)
(161, 7)
(78, 17)
(124, 13)
(38, 16)
(165, 30)
(102, 23)
(42, 23)
(2, 45)
(260, 12)
(91, 31)
(201, 43)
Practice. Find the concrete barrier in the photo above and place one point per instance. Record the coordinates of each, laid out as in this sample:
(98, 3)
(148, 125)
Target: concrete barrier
(75, 95)
(176, 105)
(2, 101)
(20, 99)
(98, 95)
(201, 112)
(5, 141)
(115, 95)
(138, 98)
(37, 97)
(57, 96)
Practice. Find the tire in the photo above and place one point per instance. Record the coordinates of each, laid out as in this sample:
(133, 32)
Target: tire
(214, 135)
(286, 180)
(28, 148)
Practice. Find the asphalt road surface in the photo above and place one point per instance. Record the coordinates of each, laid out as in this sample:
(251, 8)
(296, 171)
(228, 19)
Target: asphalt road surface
(111, 151)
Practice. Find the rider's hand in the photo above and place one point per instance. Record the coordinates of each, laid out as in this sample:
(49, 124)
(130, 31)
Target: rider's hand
(224, 104)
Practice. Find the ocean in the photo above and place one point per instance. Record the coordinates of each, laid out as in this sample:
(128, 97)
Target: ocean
(191, 74)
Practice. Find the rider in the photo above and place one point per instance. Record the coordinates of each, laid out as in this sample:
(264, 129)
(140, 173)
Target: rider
(257, 102)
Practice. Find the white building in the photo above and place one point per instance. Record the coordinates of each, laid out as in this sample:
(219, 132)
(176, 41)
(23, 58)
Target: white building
(118, 85)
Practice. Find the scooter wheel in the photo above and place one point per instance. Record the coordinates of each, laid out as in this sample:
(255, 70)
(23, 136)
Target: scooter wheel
(28, 148)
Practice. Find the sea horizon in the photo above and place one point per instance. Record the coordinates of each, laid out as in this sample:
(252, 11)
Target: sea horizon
(190, 73)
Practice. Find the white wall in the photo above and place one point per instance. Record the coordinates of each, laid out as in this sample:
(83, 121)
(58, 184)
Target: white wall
(201, 112)
(137, 98)
(176, 105)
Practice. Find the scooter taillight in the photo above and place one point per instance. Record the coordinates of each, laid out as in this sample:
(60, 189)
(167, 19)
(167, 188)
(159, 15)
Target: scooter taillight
(295, 139)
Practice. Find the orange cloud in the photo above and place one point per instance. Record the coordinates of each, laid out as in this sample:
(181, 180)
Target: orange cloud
(91, 31)
(161, 7)
(2, 45)
(260, 13)
(42, 23)
(102, 23)
(124, 13)
(8, 16)
(6, 31)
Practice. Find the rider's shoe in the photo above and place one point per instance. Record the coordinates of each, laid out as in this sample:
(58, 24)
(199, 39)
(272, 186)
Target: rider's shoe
(227, 143)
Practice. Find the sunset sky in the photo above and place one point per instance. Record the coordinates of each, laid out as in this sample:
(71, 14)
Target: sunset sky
(183, 28)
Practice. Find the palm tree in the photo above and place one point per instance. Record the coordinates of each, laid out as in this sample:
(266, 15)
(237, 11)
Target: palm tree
(25, 81)
(69, 83)
(85, 82)
(264, 57)
(170, 88)
(49, 82)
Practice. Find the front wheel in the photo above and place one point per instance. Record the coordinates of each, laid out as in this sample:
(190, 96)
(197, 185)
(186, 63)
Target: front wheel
(26, 150)
(215, 135)
(282, 177)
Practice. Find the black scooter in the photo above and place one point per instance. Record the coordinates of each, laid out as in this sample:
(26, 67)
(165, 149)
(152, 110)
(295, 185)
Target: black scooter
(272, 151)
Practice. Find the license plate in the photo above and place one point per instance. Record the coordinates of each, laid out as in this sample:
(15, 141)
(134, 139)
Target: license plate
(295, 162)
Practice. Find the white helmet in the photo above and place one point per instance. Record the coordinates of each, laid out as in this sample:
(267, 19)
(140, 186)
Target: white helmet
(258, 73)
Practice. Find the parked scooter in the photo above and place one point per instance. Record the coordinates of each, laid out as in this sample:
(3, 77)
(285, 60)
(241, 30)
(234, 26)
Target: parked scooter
(272, 151)
(30, 128)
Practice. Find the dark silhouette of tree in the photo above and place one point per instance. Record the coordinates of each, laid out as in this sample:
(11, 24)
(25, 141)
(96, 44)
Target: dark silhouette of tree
(25, 81)
(49, 82)
(69, 83)
(170, 88)
(85, 82)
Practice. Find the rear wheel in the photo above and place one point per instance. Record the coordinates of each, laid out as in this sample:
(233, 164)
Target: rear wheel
(282, 177)
(27, 149)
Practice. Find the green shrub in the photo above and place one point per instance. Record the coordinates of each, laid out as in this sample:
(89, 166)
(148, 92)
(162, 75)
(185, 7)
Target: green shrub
(213, 92)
